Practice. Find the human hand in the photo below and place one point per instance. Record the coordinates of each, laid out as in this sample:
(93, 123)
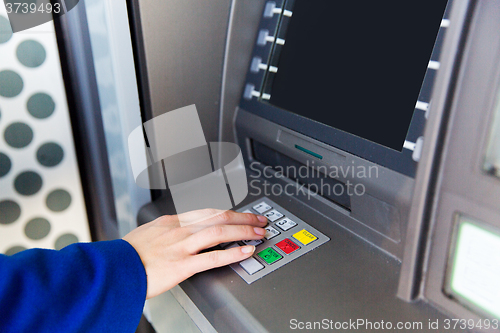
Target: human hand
(169, 246)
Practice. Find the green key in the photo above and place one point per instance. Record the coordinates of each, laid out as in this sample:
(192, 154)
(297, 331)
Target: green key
(269, 255)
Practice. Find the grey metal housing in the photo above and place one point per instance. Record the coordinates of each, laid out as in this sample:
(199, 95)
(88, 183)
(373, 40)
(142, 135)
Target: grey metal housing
(387, 256)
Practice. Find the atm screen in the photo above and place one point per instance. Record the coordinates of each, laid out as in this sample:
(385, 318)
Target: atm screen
(357, 65)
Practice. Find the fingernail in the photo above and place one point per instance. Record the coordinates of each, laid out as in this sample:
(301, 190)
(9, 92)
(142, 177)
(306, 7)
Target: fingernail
(248, 249)
(260, 231)
(262, 218)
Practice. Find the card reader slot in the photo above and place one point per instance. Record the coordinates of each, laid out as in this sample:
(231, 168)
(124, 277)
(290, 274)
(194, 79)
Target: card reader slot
(314, 179)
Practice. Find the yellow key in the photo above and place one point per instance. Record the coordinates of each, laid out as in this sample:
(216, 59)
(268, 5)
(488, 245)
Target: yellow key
(304, 236)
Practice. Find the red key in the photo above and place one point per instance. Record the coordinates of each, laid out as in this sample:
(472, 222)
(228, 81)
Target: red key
(287, 246)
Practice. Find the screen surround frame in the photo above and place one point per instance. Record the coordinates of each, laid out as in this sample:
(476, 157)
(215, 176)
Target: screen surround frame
(399, 161)
(463, 187)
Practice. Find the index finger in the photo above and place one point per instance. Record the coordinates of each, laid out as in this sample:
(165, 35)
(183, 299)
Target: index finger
(217, 234)
(195, 216)
(207, 218)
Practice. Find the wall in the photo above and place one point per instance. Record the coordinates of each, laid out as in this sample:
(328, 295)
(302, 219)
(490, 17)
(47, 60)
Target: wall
(41, 201)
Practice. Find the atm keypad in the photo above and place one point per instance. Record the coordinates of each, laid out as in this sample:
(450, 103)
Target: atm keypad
(286, 224)
(269, 255)
(287, 246)
(261, 207)
(305, 237)
(232, 246)
(287, 238)
(251, 265)
(254, 242)
(271, 233)
(273, 215)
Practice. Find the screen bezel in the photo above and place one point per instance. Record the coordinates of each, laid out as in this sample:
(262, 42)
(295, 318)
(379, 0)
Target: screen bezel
(399, 161)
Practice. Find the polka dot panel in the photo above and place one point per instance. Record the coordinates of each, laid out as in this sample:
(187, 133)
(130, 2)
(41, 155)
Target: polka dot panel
(41, 105)
(50, 154)
(10, 211)
(11, 83)
(5, 164)
(14, 249)
(58, 200)
(37, 228)
(18, 135)
(65, 240)
(28, 183)
(41, 199)
(5, 30)
(31, 53)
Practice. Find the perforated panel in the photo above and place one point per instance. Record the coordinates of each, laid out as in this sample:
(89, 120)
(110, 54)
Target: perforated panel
(41, 200)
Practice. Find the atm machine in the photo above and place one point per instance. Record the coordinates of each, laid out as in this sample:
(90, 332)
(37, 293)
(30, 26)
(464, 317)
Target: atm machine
(370, 135)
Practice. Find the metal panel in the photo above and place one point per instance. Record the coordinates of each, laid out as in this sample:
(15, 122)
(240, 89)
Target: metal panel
(344, 279)
(243, 25)
(434, 133)
(115, 74)
(385, 190)
(184, 43)
(83, 99)
(41, 198)
(463, 186)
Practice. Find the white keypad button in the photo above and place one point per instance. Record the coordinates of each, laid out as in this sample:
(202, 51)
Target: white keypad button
(251, 265)
(286, 224)
(247, 211)
(254, 242)
(271, 232)
(262, 207)
(273, 215)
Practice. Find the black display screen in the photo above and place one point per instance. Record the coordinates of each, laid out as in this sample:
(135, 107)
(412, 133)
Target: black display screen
(357, 65)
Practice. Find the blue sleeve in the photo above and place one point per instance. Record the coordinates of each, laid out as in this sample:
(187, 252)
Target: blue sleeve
(85, 287)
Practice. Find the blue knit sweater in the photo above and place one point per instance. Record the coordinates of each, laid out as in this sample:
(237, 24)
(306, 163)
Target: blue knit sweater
(85, 287)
